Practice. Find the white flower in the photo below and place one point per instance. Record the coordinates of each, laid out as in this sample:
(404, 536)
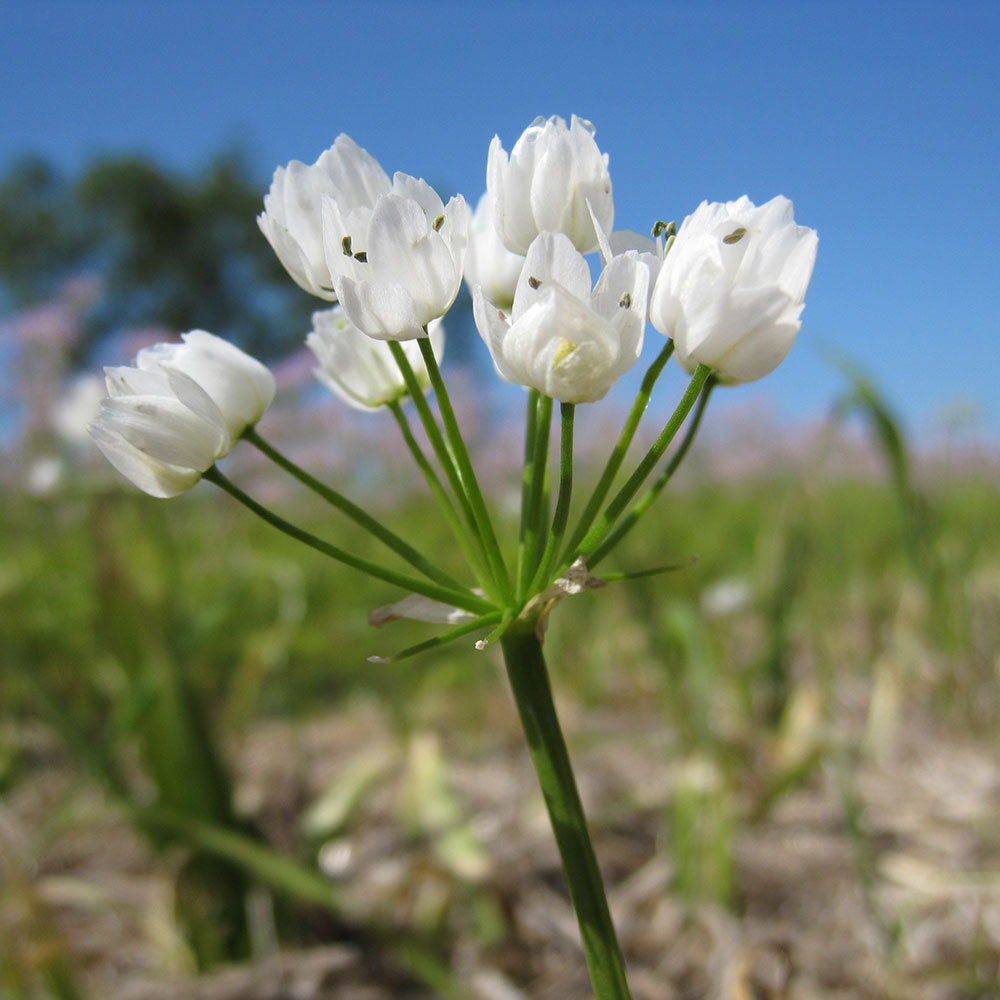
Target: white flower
(552, 174)
(360, 369)
(180, 409)
(239, 385)
(733, 286)
(488, 262)
(561, 338)
(396, 265)
(292, 219)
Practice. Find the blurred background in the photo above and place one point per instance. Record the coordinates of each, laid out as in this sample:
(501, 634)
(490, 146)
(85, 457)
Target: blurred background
(788, 748)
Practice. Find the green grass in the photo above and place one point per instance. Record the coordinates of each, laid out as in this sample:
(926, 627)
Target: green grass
(109, 600)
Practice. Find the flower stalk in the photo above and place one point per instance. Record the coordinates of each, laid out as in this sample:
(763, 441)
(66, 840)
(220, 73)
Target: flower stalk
(643, 504)
(447, 461)
(466, 473)
(535, 511)
(446, 595)
(621, 447)
(360, 516)
(529, 681)
(616, 508)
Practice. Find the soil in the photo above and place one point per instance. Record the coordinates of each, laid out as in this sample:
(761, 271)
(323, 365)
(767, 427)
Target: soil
(877, 876)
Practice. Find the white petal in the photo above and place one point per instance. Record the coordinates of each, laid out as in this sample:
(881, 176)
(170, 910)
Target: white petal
(551, 259)
(385, 311)
(155, 478)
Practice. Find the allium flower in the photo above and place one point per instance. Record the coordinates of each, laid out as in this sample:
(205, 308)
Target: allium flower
(292, 219)
(397, 265)
(180, 409)
(552, 174)
(562, 338)
(733, 286)
(360, 369)
(488, 262)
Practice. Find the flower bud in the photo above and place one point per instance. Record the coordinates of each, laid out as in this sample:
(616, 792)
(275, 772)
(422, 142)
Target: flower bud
(360, 369)
(551, 177)
(180, 409)
(488, 262)
(239, 385)
(398, 265)
(562, 338)
(732, 287)
(292, 219)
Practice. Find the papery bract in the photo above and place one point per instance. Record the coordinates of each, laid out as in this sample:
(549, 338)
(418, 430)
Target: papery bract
(397, 265)
(554, 178)
(292, 219)
(360, 369)
(562, 338)
(488, 262)
(733, 286)
(180, 409)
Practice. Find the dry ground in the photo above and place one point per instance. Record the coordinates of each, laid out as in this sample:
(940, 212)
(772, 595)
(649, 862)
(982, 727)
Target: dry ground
(907, 908)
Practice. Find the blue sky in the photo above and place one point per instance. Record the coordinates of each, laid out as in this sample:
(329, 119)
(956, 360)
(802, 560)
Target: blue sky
(879, 120)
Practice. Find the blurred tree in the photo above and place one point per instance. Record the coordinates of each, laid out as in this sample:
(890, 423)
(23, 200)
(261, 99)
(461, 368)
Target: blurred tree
(173, 251)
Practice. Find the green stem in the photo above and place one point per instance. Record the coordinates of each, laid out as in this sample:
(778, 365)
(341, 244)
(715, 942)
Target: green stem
(530, 683)
(527, 473)
(447, 462)
(354, 512)
(458, 598)
(567, 412)
(606, 522)
(467, 473)
(626, 524)
(533, 517)
(590, 512)
(440, 494)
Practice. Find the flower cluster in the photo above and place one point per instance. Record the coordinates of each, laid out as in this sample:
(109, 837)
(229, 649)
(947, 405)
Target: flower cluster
(727, 288)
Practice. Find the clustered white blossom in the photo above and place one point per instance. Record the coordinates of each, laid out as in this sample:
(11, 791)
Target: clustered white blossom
(360, 369)
(178, 410)
(729, 290)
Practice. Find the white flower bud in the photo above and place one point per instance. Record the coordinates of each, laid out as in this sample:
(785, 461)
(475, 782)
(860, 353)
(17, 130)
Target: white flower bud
(488, 262)
(732, 287)
(562, 338)
(551, 177)
(398, 265)
(239, 385)
(180, 409)
(360, 369)
(292, 219)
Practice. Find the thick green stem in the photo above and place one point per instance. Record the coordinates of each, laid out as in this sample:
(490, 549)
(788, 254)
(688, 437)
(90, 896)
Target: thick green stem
(357, 514)
(530, 683)
(458, 598)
